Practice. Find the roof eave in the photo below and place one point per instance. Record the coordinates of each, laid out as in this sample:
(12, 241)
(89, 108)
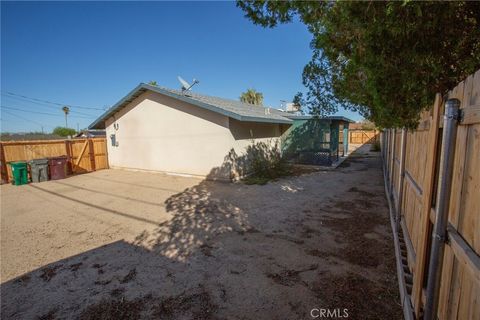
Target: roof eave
(307, 117)
(265, 120)
(99, 123)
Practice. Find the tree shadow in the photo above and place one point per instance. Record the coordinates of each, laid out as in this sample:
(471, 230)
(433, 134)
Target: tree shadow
(198, 215)
(234, 166)
(257, 156)
(61, 288)
(159, 267)
(165, 263)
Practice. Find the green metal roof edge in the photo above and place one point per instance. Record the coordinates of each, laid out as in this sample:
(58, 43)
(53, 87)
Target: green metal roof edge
(125, 100)
(308, 117)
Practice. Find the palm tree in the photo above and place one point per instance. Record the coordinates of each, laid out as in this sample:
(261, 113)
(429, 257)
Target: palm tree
(252, 96)
(66, 110)
(153, 83)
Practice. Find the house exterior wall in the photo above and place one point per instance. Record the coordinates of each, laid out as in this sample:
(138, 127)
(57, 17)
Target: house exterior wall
(159, 133)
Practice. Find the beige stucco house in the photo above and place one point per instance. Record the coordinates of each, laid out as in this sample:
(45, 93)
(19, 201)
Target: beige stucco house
(172, 131)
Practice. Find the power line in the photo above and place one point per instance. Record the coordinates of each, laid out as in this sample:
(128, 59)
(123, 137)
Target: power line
(51, 102)
(47, 106)
(25, 119)
(40, 104)
(44, 113)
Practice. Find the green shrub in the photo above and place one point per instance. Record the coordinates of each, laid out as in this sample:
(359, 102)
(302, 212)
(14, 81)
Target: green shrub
(264, 162)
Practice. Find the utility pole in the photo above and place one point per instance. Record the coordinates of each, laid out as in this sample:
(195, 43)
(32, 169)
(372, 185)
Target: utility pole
(66, 110)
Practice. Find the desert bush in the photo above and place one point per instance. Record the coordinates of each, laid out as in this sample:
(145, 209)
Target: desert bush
(264, 162)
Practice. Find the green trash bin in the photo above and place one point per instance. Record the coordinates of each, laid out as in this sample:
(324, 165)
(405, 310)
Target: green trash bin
(39, 170)
(19, 172)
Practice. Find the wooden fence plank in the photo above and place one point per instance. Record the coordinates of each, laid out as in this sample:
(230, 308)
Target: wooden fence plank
(427, 190)
(392, 159)
(401, 176)
(471, 115)
(81, 153)
(464, 253)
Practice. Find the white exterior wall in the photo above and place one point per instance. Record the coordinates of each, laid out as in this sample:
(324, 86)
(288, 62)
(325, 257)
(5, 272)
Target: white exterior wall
(159, 133)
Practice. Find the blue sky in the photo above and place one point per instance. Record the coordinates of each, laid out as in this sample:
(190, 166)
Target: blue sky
(91, 54)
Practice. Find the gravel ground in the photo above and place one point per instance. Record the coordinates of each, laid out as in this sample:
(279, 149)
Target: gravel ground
(117, 244)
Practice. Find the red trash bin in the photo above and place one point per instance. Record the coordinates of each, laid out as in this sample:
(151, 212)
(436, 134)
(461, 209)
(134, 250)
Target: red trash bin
(58, 167)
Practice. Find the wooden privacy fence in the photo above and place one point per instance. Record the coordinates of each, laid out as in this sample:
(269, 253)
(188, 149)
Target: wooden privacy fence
(84, 155)
(360, 136)
(417, 174)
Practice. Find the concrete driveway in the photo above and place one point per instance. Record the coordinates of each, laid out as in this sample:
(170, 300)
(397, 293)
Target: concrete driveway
(117, 244)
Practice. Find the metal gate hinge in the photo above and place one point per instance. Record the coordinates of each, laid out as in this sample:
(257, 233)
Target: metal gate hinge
(460, 115)
(452, 110)
(455, 116)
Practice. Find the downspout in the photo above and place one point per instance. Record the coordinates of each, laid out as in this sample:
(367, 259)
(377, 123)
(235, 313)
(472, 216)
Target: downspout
(439, 235)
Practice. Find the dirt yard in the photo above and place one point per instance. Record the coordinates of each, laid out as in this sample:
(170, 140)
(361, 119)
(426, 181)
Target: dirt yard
(117, 244)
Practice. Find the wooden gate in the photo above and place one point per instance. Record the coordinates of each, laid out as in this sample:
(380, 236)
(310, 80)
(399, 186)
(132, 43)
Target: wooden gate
(360, 136)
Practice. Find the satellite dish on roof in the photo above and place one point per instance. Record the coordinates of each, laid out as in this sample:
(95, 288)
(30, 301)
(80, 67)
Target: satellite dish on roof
(185, 85)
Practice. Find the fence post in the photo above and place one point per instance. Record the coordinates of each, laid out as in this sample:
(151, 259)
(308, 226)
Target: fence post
(401, 176)
(387, 151)
(3, 163)
(91, 154)
(392, 161)
(387, 145)
(382, 142)
(443, 200)
(69, 156)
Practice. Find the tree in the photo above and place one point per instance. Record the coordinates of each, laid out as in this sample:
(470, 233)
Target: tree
(384, 59)
(153, 83)
(66, 110)
(367, 124)
(252, 96)
(64, 131)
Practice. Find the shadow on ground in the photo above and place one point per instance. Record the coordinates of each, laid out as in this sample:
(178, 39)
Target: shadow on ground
(233, 251)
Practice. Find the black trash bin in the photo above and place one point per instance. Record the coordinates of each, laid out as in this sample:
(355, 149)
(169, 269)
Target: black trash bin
(58, 167)
(39, 170)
